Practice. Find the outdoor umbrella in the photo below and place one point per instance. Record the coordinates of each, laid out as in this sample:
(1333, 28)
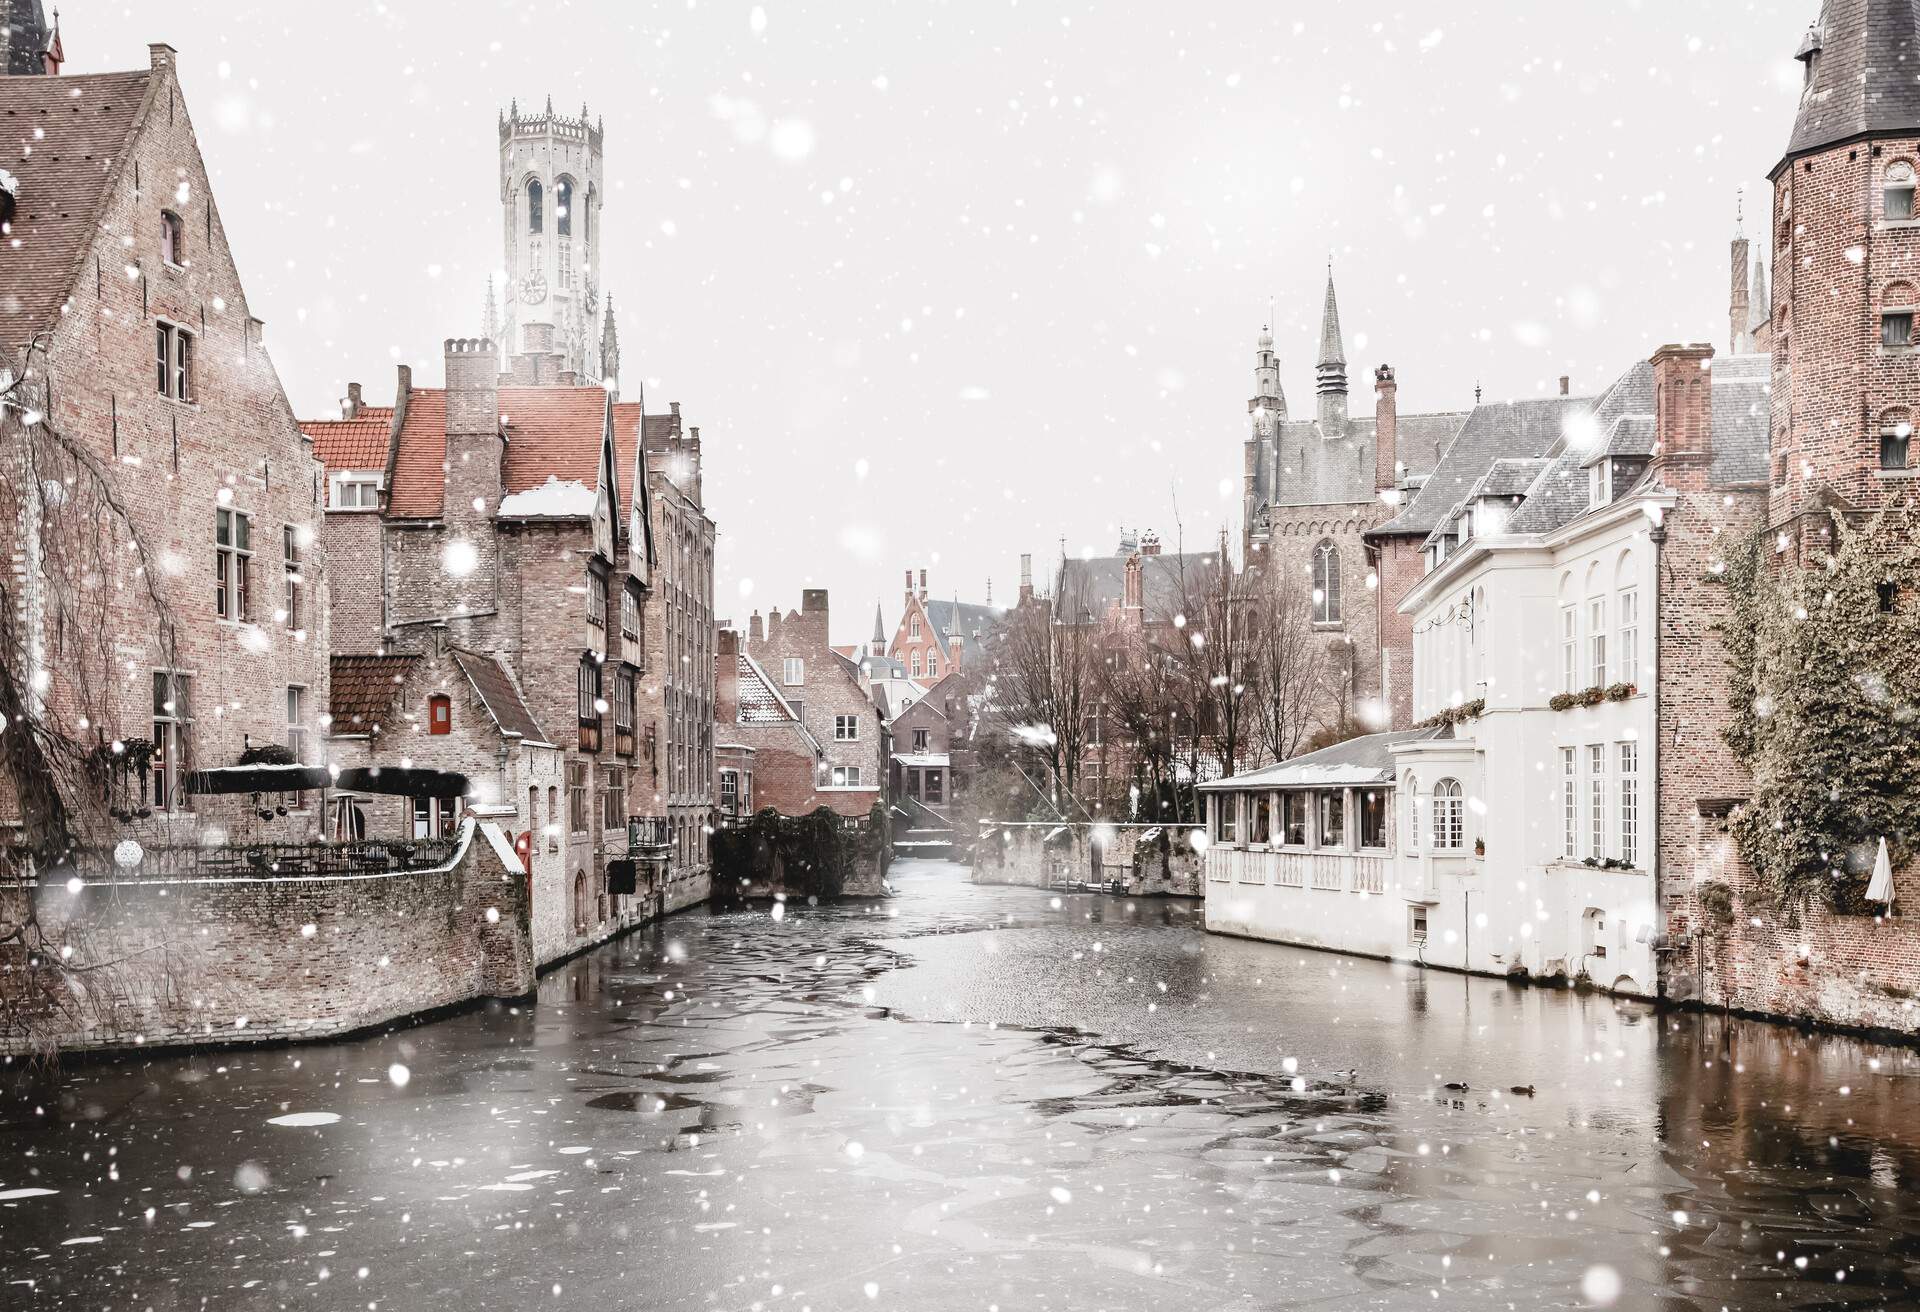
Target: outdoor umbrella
(1880, 887)
(256, 779)
(402, 781)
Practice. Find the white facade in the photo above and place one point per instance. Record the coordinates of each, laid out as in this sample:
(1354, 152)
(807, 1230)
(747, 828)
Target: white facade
(1521, 838)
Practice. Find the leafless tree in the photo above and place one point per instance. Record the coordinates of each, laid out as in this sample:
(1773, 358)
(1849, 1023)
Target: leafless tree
(1044, 679)
(80, 578)
(1288, 677)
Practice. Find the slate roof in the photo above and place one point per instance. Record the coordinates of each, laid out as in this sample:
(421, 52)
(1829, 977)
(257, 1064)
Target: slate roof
(966, 620)
(500, 695)
(63, 177)
(1363, 760)
(361, 690)
(1093, 586)
(1866, 54)
(357, 443)
(1316, 470)
(1742, 418)
(1509, 477)
(1503, 429)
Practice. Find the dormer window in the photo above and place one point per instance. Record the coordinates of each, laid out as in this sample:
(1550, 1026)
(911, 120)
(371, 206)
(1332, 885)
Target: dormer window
(1897, 194)
(173, 239)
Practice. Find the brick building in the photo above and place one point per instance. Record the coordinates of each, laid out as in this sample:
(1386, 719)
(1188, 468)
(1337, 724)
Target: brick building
(816, 737)
(125, 332)
(1314, 488)
(677, 697)
(1845, 250)
(935, 637)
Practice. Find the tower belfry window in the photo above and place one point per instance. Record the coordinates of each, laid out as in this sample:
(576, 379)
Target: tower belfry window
(563, 207)
(536, 196)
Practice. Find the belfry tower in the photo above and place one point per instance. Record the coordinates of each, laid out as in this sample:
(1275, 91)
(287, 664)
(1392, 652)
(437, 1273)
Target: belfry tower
(550, 192)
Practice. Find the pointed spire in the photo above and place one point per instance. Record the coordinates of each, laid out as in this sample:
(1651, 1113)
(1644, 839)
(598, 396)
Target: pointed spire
(1762, 302)
(609, 347)
(549, 106)
(1332, 351)
(490, 320)
(1330, 373)
(879, 631)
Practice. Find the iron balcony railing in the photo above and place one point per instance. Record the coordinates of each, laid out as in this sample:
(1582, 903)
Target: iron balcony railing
(648, 834)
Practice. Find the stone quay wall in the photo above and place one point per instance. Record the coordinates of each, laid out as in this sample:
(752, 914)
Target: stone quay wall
(239, 959)
(1145, 860)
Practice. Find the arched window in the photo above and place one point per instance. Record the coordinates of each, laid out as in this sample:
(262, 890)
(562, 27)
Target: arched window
(563, 207)
(1449, 816)
(553, 819)
(1898, 192)
(1412, 789)
(439, 713)
(914, 665)
(173, 238)
(536, 218)
(1326, 584)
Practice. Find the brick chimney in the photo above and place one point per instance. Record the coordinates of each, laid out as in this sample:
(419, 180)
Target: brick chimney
(1566, 382)
(755, 635)
(813, 617)
(909, 587)
(1149, 543)
(1683, 414)
(773, 625)
(1026, 577)
(474, 446)
(1386, 429)
(923, 585)
(160, 55)
(350, 408)
(1131, 590)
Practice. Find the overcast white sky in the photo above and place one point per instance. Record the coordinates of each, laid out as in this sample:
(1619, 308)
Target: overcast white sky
(942, 283)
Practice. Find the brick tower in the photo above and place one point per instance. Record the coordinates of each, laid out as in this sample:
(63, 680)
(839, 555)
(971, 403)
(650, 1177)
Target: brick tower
(1846, 261)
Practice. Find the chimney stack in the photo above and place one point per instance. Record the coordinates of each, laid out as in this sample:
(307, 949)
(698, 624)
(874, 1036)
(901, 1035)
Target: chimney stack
(755, 635)
(1131, 589)
(773, 626)
(1739, 301)
(1683, 414)
(923, 585)
(350, 408)
(1026, 577)
(1386, 429)
(474, 448)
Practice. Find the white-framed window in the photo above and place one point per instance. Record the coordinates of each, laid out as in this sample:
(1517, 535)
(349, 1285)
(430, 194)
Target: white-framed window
(1412, 791)
(613, 797)
(293, 582)
(172, 737)
(1597, 799)
(173, 361)
(1570, 649)
(913, 663)
(1630, 803)
(1597, 484)
(1897, 193)
(232, 563)
(1333, 819)
(353, 489)
(1597, 641)
(846, 728)
(435, 817)
(1570, 804)
(297, 722)
(729, 790)
(1373, 818)
(933, 666)
(793, 671)
(1416, 926)
(1449, 816)
(846, 776)
(629, 611)
(1226, 815)
(1629, 654)
(596, 597)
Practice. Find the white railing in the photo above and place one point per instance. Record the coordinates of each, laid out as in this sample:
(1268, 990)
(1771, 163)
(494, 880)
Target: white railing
(1326, 871)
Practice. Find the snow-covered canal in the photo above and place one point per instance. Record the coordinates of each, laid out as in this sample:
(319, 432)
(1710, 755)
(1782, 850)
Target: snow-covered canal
(971, 1097)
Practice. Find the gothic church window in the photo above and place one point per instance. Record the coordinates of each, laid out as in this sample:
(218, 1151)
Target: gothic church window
(536, 219)
(563, 207)
(1326, 584)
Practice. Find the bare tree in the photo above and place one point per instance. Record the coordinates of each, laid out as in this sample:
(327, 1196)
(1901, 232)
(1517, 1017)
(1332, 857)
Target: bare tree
(1138, 682)
(1288, 676)
(80, 578)
(1044, 681)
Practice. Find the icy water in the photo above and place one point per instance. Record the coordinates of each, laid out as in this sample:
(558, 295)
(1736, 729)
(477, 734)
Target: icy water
(980, 1098)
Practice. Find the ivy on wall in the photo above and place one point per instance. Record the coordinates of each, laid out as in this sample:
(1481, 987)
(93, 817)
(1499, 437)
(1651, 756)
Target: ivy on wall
(1824, 684)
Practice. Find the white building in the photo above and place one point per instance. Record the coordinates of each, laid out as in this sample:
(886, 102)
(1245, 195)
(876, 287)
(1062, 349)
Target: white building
(1524, 818)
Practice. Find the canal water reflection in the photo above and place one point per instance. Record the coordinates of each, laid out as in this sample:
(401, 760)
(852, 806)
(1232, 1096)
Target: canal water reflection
(967, 1097)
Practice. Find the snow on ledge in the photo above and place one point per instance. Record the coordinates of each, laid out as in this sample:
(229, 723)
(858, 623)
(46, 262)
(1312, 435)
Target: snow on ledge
(551, 500)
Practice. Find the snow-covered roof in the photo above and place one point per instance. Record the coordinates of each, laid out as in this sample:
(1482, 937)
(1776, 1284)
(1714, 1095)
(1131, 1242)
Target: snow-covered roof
(553, 499)
(1354, 763)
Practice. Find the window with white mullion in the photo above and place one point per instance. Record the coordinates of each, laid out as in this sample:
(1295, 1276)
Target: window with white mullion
(1597, 642)
(1629, 654)
(1570, 648)
(1597, 800)
(1630, 803)
(1570, 804)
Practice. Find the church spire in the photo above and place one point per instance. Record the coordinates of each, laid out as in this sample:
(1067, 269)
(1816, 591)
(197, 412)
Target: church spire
(1330, 371)
(879, 632)
(610, 350)
(27, 45)
(1268, 404)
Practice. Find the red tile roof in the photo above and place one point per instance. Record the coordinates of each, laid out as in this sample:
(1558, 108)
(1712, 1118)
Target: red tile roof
(361, 690)
(88, 123)
(551, 432)
(419, 468)
(357, 443)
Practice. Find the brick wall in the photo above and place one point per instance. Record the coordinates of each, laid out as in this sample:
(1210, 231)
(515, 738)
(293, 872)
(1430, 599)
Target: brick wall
(829, 691)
